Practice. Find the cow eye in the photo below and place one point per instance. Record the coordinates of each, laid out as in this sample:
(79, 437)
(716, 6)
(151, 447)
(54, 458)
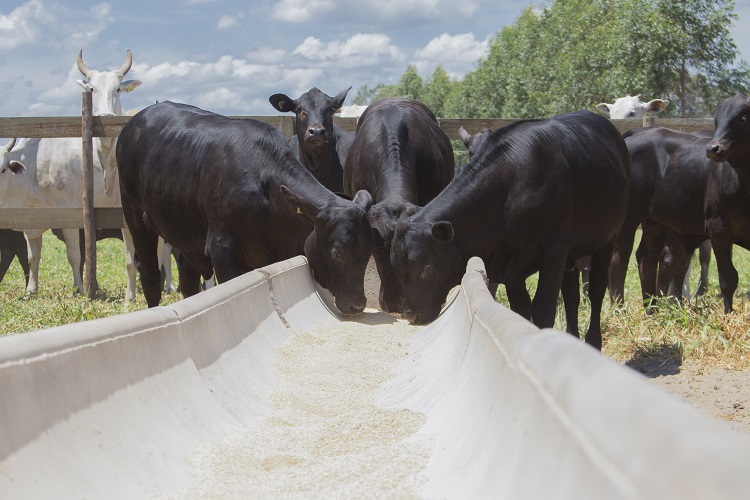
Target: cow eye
(302, 115)
(428, 273)
(742, 117)
(632, 113)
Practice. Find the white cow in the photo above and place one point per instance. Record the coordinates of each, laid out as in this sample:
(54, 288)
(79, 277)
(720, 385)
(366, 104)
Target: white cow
(48, 173)
(631, 107)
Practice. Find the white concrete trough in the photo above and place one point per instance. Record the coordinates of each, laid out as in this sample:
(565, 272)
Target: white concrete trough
(258, 388)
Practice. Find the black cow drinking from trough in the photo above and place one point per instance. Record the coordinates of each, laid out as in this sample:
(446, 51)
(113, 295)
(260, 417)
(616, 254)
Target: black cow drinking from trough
(404, 159)
(538, 195)
(231, 197)
(728, 210)
(319, 144)
(13, 245)
(682, 198)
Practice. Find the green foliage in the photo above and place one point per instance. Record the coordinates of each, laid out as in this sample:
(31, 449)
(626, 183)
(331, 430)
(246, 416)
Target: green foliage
(573, 54)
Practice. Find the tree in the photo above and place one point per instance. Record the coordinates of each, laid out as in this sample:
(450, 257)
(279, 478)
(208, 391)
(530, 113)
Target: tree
(410, 84)
(436, 90)
(573, 54)
(366, 95)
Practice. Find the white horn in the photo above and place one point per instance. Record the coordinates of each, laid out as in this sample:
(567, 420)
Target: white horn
(128, 62)
(10, 145)
(81, 65)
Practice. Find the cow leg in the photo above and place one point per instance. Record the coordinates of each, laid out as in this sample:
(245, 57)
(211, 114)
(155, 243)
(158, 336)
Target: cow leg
(34, 247)
(600, 262)
(145, 241)
(519, 299)
(127, 240)
(672, 267)
(583, 265)
(722, 242)
(165, 262)
(704, 257)
(190, 277)
(551, 270)
(571, 299)
(686, 279)
(618, 266)
(219, 250)
(652, 243)
(73, 251)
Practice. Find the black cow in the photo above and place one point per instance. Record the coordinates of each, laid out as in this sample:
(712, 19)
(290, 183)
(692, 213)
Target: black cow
(229, 195)
(539, 195)
(13, 245)
(319, 144)
(672, 191)
(404, 159)
(728, 209)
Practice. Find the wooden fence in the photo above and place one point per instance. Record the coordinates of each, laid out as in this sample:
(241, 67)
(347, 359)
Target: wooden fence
(88, 126)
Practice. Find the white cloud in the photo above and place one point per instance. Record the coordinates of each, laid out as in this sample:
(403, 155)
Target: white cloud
(37, 23)
(360, 49)
(456, 53)
(227, 22)
(367, 11)
(301, 11)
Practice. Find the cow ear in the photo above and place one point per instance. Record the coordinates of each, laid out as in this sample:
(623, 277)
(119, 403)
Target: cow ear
(86, 85)
(16, 167)
(129, 85)
(655, 105)
(338, 101)
(442, 231)
(363, 199)
(299, 203)
(282, 103)
(604, 108)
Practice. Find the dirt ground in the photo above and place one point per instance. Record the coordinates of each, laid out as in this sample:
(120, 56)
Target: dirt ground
(721, 393)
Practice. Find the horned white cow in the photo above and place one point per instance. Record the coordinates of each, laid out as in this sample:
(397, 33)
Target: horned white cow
(47, 172)
(631, 107)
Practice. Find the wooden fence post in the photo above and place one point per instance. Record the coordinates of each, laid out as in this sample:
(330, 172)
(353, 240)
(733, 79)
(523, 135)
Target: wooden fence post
(89, 229)
(648, 120)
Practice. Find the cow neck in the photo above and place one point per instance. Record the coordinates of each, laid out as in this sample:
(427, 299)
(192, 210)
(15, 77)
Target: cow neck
(474, 210)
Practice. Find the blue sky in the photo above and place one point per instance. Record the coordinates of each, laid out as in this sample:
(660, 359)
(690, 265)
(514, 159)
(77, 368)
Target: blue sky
(229, 56)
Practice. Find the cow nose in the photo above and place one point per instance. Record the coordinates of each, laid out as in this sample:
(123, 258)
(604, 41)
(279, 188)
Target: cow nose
(316, 133)
(714, 151)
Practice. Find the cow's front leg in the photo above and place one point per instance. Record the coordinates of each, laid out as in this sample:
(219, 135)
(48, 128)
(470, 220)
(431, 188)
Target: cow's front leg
(597, 289)
(519, 298)
(34, 247)
(219, 250)
(551, 270)
(722, 242)
(571, 298)
(130, 268)
(73, 251)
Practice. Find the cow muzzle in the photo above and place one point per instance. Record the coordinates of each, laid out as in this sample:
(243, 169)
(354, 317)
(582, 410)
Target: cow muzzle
(716, 152)
(316, 135)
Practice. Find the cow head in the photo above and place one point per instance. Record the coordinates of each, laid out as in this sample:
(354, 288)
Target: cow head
(340, 245)
(731, 140)
(631, 107)
(314, 111)
(426, 258)
(383, 217)
(106, 87)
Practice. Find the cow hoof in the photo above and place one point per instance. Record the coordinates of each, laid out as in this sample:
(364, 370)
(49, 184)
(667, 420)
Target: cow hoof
(29, 295)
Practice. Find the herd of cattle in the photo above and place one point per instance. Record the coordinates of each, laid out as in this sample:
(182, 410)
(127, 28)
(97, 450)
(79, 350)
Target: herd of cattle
(232, 195)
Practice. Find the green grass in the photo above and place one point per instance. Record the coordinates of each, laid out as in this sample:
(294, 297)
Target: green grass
(56, 303)
(699, 331)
